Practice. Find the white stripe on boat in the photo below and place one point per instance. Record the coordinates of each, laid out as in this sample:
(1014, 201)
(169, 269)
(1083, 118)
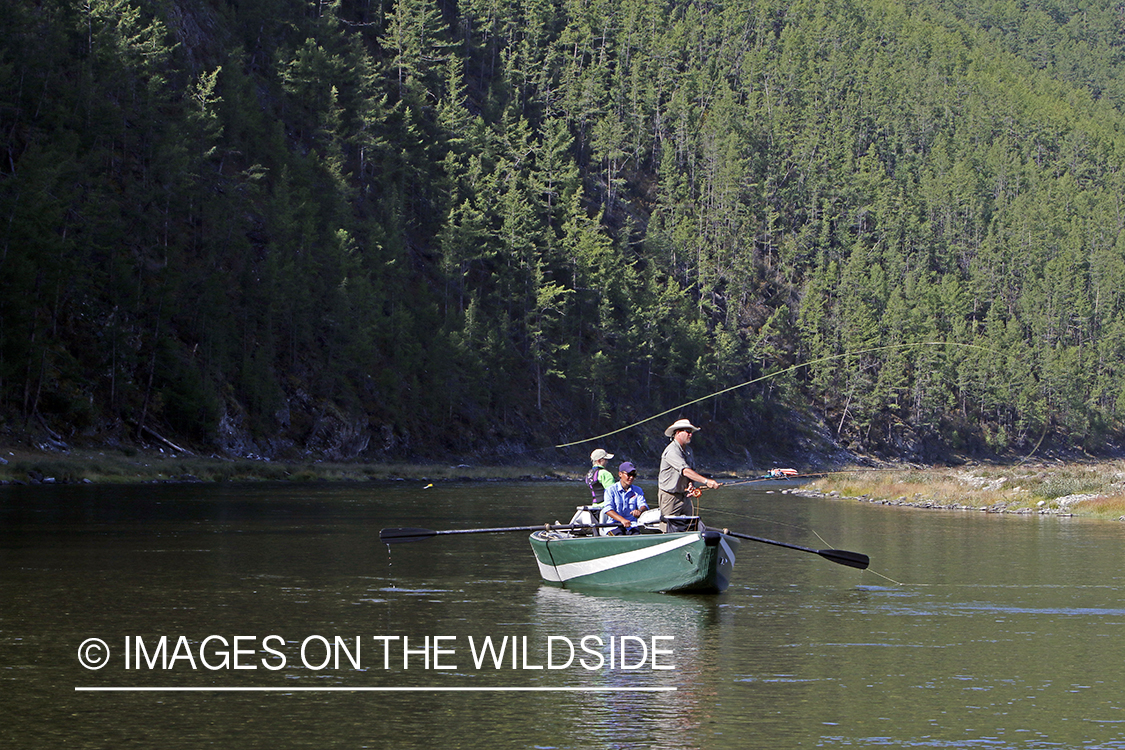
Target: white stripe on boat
(568, 571)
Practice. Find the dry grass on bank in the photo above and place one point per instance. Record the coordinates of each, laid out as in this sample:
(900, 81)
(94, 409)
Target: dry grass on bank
(128, 467)
(1095, 490)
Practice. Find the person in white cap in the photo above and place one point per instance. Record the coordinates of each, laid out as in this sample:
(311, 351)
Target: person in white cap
(598, 478)
(676, 476)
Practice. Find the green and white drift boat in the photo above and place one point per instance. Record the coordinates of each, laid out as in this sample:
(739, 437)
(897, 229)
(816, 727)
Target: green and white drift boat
(580, 555)
(697, 561)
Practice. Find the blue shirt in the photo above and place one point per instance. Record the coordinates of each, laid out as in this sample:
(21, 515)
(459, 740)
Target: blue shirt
(624, 501)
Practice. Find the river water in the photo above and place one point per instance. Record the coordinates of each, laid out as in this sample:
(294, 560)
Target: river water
(286, 623)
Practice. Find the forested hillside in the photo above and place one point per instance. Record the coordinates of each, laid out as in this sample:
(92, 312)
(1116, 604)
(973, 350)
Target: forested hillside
(419, 228)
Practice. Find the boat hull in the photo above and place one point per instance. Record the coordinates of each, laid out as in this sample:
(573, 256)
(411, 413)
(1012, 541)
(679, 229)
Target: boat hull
(688, 562)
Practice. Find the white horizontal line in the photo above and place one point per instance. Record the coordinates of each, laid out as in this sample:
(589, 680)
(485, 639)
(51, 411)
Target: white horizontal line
(373, 689)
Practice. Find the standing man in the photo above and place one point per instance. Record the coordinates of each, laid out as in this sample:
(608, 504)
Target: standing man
(677, 475)
(598, 478)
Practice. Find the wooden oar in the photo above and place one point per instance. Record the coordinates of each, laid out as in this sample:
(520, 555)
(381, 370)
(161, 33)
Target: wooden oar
(396, 536)
(843, 557)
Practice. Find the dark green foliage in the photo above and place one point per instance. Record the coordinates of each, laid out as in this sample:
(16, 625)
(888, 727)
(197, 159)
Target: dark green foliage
(448, 226)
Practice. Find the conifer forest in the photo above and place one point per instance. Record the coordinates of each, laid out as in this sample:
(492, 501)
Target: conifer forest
(428, 228)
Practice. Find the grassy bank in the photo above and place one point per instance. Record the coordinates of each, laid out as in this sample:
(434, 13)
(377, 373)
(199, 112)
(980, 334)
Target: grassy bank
(130, 466)
(1094, 490)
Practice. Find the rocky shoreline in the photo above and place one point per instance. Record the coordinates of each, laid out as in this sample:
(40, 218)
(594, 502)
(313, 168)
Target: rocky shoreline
(932, 505)
(1090, 489)
(24, 466)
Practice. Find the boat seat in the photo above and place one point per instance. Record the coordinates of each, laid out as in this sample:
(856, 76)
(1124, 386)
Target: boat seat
(684, 523)
(650, 521)
(587, 515)
(603, 517)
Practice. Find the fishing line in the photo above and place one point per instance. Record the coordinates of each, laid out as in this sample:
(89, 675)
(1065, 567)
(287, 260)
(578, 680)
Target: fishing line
(768, 376)
(763, 519)
(897, 583)
(770, 521)
(806, 529)
(1025, 459)
(775, 479)
(829, 358)
(823, 541)
(801, 528)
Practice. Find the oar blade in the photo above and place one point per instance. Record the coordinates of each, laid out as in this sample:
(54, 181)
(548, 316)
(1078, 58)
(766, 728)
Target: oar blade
(843, 557)
(398, 536)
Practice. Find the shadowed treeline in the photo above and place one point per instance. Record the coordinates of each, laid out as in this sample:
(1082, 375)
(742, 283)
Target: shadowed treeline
(420, 228)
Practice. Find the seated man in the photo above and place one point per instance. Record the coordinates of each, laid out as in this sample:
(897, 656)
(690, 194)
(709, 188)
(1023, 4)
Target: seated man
(624, 501)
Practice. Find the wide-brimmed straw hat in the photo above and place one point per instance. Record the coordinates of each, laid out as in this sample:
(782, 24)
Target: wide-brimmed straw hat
(679, 424)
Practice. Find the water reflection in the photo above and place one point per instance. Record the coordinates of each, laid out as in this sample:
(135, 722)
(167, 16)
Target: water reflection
(1008, 632)
(690, 625)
